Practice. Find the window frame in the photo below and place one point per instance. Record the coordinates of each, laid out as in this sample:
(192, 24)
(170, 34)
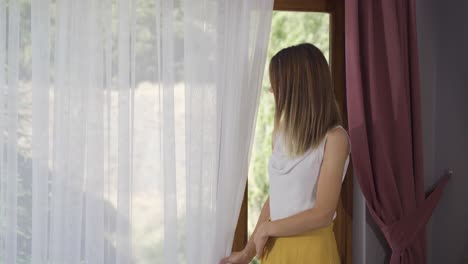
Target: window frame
(343, 221)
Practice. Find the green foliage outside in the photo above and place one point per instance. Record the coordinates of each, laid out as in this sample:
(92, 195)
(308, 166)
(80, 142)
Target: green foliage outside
(287, 29)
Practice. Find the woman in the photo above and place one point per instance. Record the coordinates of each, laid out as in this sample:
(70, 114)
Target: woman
(308, 164)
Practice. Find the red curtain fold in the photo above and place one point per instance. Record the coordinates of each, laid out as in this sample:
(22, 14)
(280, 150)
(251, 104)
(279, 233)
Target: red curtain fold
(384, 115)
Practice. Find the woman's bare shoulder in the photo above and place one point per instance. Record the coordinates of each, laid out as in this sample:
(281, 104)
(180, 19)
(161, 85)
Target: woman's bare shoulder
(338, 141)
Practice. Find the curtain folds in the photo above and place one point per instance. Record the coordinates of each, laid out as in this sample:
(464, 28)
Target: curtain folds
(126, 127)
(384, 115)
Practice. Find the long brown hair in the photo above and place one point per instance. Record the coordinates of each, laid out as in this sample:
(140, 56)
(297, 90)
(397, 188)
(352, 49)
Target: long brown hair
(305, 102)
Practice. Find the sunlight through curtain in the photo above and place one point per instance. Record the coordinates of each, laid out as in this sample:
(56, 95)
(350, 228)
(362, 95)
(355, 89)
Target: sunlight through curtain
(126, 127)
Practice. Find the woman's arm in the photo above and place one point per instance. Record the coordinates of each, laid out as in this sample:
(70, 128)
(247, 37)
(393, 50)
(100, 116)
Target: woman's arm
(247, 254)
(263, 218)
(249, 251)
(328, 192)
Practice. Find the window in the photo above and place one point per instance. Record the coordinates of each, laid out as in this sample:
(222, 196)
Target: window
(321, 16)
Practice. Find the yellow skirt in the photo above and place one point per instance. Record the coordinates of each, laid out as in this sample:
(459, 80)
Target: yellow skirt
(313, 247)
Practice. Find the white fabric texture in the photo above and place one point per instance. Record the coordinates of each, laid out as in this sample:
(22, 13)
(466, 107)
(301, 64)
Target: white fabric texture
(126, 127)
(293, 181)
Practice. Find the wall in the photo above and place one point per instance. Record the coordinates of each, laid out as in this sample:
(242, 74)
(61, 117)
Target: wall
(426, 27)
(443, 49)
(449, 115)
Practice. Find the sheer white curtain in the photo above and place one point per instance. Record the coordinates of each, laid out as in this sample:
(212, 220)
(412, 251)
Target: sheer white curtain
(125, 127)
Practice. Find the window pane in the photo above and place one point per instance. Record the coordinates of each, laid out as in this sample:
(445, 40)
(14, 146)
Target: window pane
(287, 29)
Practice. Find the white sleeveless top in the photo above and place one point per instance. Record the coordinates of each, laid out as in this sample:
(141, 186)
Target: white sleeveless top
(293, 182)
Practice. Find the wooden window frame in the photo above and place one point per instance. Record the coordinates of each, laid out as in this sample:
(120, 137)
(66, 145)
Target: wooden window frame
(343, 221)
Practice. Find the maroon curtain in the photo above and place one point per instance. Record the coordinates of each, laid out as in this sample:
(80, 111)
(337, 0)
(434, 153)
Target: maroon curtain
(384, 115)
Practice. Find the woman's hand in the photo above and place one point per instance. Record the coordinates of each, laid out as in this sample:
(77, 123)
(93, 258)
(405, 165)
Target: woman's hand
(240, 257)
(261, 238)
